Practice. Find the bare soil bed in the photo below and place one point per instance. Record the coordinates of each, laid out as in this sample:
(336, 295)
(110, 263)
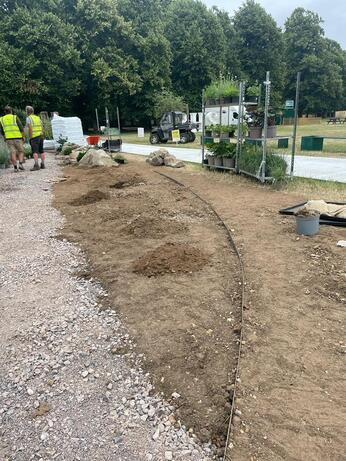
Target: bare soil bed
(171, 273)
(291, 396)
(292, 390)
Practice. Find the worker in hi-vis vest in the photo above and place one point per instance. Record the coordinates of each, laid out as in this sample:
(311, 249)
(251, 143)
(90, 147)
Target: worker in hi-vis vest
(12, 130)
(34, 124)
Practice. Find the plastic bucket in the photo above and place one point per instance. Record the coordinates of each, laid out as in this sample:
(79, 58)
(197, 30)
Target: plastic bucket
(308, 225)
(93, 140)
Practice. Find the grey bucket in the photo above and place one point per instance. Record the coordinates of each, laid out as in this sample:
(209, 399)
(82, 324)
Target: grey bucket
(308, 225)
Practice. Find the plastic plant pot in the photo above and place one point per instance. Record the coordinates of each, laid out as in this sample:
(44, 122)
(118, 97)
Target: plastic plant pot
(218, 161)
(228, 162)
(93, 140)
(211, 160)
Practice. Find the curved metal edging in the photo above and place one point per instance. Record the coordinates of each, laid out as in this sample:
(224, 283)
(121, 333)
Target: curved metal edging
(242, 271)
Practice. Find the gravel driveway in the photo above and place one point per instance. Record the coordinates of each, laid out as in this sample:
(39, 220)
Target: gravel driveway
(71, 385)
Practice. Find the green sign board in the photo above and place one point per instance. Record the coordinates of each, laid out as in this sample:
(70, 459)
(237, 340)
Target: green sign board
(289, 104)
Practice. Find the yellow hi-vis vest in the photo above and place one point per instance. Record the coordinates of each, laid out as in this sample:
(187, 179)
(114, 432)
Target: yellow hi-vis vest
(10, 127)
(36, 125)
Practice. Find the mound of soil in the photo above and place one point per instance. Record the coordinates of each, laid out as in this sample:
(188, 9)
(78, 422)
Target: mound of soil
(128, 181)
(92, 196)
(151, 227)
(170, 258)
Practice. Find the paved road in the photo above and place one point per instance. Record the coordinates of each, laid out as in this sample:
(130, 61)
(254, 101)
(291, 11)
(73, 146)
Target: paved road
(333, 169)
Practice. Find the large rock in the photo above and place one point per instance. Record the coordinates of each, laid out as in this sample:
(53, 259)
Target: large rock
(173, 162)
(163, 157)
(74, 154)
(163, 153)
(68, 146)
(97, 157)
(155, 161)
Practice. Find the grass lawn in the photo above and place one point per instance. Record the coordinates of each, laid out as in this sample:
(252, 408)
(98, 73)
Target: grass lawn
(309, 187)
(332, 148)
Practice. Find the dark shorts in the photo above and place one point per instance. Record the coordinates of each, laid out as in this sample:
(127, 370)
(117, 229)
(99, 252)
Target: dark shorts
(37, 145)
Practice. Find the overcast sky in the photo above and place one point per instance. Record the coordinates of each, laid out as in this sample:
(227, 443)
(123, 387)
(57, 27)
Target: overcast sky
(332, 11)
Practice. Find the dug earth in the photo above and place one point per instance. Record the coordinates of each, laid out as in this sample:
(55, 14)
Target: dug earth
(171, 273)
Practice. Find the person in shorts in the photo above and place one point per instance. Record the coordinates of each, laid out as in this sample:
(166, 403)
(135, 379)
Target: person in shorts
(12, 130)
(34, 124)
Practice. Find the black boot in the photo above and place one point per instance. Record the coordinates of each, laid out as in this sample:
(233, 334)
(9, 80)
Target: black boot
(36, 167)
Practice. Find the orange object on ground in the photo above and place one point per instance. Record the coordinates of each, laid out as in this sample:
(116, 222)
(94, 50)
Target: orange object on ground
(93, 140)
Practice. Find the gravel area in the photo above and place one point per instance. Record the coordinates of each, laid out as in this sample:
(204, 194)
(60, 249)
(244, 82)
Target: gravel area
(71, 383)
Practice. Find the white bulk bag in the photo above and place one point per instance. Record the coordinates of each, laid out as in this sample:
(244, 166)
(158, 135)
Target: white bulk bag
(69, 128)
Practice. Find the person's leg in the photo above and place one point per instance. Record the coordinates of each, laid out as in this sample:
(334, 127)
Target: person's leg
(42, 154)
(13, 153)
(35, 149)
(20, 153)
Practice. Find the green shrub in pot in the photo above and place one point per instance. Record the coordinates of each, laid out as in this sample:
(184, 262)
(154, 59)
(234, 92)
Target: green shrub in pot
(4, 154)
(223, 153)
(27, 150)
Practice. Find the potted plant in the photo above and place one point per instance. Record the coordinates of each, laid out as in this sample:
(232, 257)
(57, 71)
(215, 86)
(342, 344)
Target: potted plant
(210, 159)
(253, 92)
(4, 155)
(228, 158)
(255, 124)
(223, 153)
(231, 131)
(272, 129)
(224, 90)
(224, 132)
(209, 131)
(216, 131)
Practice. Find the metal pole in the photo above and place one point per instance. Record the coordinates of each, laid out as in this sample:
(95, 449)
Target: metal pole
(97, 120)
(266, 111)
(118, 117)
(220, 116)
(296, 112)
(203, 127)
(240, 125)
(108, 129)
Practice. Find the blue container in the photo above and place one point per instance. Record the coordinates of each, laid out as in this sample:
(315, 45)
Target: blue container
(308, 225)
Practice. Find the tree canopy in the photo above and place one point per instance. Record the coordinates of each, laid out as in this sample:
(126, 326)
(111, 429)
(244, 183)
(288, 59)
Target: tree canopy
(73, 56)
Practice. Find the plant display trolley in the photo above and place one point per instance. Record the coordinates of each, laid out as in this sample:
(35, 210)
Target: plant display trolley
(260, 163)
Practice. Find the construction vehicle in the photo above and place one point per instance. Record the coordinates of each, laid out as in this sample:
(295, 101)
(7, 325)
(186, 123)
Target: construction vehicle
(169, 122)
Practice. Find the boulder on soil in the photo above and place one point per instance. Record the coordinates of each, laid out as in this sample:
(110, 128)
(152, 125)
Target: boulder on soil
(155, 161)
(163, 157)
(173, 162)
(74, 154)
(67, 147)
(97, 157)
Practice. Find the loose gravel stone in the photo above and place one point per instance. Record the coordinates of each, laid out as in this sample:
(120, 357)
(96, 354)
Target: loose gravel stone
(58, 346)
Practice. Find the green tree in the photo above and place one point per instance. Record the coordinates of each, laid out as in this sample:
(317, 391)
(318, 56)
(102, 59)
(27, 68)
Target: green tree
(232, 63)
(153, 54)
(198, 46)
(320, 61)
(45, 60)
(261, 46)
(167, 101)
